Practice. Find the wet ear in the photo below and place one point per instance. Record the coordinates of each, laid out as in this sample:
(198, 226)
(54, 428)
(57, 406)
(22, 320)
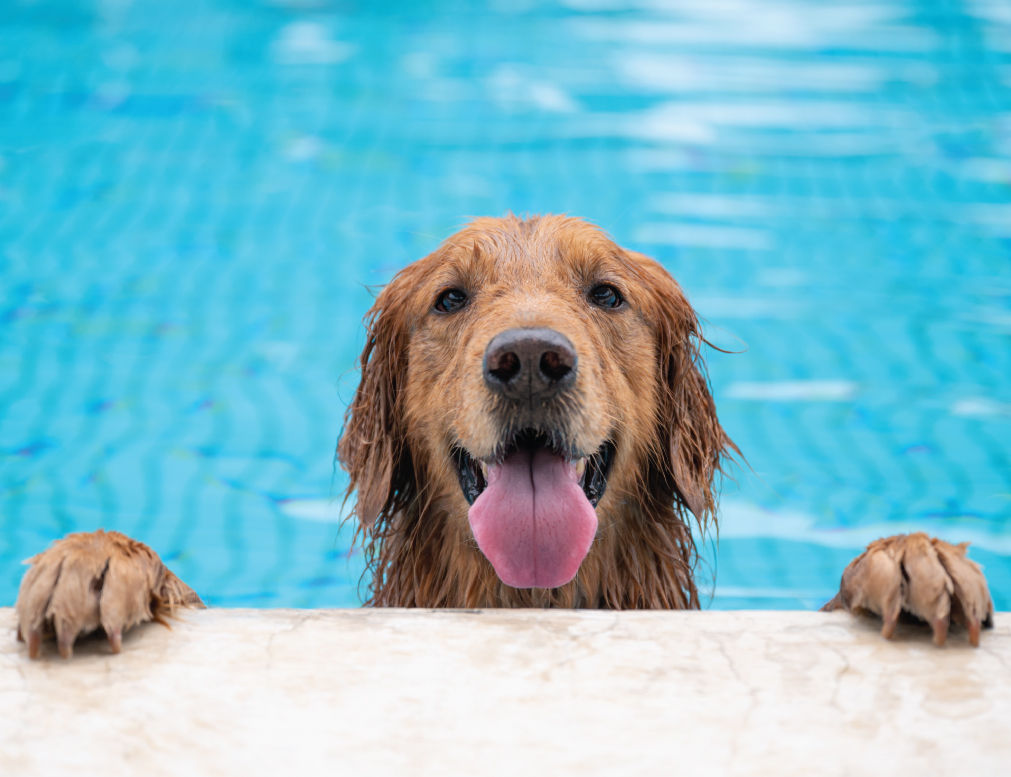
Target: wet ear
(372, 445)
(695, 443)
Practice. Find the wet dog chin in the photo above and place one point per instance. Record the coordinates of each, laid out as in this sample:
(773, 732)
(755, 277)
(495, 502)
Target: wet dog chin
(534, 521)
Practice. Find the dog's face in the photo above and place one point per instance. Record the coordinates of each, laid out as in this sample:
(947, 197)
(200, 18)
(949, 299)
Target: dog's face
(525, 378)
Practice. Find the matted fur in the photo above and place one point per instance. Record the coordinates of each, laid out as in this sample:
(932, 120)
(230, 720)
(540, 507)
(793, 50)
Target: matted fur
(641, 382)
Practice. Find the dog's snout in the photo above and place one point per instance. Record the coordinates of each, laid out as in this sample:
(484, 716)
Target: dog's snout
(529, 363)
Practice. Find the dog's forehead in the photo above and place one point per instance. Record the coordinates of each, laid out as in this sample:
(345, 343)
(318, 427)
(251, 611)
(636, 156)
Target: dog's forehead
(542, 250)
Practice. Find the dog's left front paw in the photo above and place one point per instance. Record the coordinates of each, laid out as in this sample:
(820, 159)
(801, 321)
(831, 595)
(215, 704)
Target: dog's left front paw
(927, 577)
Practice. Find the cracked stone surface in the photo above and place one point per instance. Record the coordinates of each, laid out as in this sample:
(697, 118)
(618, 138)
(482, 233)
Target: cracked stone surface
(249, 692)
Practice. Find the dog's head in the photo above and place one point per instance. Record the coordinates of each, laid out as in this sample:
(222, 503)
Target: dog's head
(527, 377)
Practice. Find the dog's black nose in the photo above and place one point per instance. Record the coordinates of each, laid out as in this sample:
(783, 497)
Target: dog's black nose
(524, 364)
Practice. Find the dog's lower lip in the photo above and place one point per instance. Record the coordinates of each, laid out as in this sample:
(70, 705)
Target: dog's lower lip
(591, 470)
(471, 473)
(598, 468)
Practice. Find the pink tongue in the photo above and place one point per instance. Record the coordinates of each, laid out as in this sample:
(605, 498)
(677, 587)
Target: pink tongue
(533, 521)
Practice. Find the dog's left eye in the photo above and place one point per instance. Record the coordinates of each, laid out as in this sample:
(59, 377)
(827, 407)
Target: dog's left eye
(605, 296)
(450, 301)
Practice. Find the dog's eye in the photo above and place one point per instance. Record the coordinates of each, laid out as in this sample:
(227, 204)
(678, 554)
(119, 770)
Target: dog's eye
(450, 301)
(605, 296)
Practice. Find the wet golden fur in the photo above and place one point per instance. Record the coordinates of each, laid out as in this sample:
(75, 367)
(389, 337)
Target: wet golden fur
(640, 383)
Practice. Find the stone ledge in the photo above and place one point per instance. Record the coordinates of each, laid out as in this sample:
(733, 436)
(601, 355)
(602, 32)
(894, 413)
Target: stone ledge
(250, 692)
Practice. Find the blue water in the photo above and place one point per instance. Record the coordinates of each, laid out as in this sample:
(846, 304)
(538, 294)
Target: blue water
(197, 197)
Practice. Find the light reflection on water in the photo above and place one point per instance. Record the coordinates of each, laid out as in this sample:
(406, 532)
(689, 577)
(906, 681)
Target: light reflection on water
(192, 207)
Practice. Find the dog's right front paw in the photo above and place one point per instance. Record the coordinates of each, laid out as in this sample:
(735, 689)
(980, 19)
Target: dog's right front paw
(91, 580)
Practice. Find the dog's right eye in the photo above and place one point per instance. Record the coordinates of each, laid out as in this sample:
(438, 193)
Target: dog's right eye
(450, 301)
(605, 296)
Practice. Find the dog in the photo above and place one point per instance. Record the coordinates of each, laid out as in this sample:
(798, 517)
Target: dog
(533, 427)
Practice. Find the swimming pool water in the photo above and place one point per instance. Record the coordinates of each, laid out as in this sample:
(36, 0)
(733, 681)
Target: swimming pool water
(197, 198)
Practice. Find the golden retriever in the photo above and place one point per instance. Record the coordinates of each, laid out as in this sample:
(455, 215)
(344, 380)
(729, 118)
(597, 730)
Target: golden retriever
(522, 375)
(533, 428)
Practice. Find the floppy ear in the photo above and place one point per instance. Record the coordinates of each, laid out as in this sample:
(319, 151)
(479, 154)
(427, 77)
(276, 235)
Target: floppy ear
(372, 447)
(695, 442)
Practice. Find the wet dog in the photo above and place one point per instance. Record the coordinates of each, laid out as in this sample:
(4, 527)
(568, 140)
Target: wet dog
(533, 427)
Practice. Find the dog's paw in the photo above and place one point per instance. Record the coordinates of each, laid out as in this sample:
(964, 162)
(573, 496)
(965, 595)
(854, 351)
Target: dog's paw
(926, 577)
(91, 580)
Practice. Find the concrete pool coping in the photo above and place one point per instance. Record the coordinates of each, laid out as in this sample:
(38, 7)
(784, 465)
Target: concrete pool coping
(248, 692)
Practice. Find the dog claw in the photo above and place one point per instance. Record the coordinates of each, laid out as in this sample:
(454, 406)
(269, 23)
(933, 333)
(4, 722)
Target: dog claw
(115, 640)
(34, 643)
(974, 634)
(940, 627)
(65, 643)
(888, 626)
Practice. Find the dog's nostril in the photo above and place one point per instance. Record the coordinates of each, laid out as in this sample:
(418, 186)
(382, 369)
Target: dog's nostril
(554, 366)
(506, 368)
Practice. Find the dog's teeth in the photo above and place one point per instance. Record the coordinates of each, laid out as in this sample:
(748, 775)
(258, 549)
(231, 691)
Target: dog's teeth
(580, 468)
(484, 469)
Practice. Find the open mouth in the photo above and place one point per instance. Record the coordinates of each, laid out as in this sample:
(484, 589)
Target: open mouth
(592, 470)
(532, 508)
